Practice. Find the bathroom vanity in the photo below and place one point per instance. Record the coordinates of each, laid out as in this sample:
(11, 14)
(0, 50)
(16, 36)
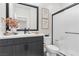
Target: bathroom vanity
(21, 45)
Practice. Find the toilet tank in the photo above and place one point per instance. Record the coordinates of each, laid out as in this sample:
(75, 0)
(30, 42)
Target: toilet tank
(47, 40)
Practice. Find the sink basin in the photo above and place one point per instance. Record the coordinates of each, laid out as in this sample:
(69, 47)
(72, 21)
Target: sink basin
(8, 34)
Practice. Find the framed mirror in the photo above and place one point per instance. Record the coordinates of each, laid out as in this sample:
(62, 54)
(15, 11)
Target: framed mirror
(2, 16)
(27, 15)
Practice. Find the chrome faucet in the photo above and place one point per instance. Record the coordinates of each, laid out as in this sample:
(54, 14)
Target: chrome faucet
(25, 31)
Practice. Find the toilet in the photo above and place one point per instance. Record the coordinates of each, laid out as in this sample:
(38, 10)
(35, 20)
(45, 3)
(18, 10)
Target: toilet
(51, 50)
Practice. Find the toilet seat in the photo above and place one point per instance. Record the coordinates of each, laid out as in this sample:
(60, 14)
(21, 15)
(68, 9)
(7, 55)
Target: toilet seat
(52, 47)
(52, 50)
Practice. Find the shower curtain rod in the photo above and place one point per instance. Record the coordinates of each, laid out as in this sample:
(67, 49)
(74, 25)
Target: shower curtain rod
(71, 33)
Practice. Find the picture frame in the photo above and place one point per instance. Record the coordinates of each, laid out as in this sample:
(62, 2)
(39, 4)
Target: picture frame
(45, 18)
(45, 13)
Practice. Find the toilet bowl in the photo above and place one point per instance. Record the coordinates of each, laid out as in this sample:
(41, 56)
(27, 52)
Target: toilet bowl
(51, 49)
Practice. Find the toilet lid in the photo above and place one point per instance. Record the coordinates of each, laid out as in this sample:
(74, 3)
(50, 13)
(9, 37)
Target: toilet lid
(52, 47)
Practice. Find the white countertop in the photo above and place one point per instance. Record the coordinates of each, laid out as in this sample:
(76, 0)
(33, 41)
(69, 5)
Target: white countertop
(20, 35)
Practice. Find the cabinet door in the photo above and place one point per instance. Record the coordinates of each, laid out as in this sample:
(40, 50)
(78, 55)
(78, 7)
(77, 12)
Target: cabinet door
(35, 48)
(6, 50)
(20, 50)
(30, 49)
(32, 46)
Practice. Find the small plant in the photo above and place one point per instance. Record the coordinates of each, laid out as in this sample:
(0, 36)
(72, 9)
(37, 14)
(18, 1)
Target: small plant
(12, 23)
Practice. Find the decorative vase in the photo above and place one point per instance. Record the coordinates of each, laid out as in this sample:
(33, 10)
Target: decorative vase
(13, 30)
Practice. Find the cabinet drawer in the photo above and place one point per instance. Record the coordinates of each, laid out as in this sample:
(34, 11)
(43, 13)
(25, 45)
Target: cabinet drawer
(34, 39)
(20, 40)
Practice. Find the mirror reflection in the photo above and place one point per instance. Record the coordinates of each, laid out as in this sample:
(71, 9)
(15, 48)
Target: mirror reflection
(27, 16)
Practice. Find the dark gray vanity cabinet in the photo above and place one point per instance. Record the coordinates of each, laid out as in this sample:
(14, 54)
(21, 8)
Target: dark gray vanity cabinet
(5, 48)
(29, 46)
(6, 51)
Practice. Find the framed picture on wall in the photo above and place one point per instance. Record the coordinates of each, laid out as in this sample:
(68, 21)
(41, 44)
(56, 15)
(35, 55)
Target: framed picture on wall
(45, 18)
(45, 13)
(45, 24)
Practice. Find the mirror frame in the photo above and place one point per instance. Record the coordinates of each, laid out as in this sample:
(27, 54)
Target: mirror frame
(7, 15)
(37, 17)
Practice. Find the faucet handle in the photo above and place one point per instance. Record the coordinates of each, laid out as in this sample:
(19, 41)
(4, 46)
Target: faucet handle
(28, 30)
